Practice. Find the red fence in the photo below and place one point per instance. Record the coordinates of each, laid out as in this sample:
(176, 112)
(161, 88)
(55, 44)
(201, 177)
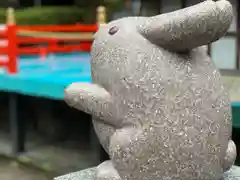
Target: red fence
(14, 36)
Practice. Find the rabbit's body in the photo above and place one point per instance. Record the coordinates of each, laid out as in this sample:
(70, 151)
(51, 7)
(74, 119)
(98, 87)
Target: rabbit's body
(160, 111)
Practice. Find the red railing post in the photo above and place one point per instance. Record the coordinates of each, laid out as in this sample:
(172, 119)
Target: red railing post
(12, 48)
(12, 41)
(52, 43)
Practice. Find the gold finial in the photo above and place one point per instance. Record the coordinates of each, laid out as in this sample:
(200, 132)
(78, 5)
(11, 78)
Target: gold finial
(101, 15)
(10, 16)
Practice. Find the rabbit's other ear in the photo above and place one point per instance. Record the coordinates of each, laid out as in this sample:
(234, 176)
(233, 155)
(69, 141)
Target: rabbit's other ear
(189, 28)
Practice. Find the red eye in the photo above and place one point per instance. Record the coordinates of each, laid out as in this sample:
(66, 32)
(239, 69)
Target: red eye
(113, 30)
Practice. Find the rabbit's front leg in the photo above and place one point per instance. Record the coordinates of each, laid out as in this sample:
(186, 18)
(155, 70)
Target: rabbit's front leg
(92, 99)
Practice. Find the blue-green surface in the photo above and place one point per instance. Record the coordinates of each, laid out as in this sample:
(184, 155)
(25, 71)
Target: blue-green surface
(47, 78)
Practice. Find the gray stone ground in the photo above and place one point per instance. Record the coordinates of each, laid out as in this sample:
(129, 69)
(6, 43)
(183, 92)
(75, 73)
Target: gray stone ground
(52, 159)
(10, 170)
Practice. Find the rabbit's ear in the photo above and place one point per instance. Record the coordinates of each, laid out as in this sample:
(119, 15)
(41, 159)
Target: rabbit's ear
(189, 28)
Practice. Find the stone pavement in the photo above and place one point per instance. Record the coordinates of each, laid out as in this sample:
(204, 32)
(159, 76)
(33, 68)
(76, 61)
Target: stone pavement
(10, 170)
(56, 158)
(89, 174)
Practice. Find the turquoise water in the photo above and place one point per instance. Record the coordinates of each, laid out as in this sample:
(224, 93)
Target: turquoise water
(49, 76)
(56, 67)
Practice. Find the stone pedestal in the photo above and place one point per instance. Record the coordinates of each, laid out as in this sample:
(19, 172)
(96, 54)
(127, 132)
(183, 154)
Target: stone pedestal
(89, 174)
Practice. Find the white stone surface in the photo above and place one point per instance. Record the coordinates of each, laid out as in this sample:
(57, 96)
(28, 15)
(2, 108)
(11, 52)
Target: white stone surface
(89, 174)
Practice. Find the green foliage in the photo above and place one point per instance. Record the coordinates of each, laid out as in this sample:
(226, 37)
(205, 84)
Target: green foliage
(113, 6)
(2, 15)
(61, 14)
(48, 15)
(150, 8)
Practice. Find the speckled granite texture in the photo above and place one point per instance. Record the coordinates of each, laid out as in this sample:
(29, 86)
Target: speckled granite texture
(160, 109)
(89, 174)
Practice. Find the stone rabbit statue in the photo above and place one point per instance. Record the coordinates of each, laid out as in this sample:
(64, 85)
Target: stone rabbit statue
(158, 104)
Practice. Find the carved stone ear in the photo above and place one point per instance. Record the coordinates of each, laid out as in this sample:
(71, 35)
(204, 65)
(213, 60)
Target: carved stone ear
(189, 28)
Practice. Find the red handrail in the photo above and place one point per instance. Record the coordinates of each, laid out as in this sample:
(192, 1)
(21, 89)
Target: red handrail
(38, 40)
(61, 28)
(3, 62)
(3, 34)
(54, 49)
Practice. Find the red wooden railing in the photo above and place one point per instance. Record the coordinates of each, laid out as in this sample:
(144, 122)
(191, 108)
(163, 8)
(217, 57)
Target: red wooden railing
(12, 49)
(58, 28)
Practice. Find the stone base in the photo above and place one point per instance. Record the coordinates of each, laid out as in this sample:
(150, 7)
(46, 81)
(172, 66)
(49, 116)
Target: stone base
(89, 174)
(86, 174)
